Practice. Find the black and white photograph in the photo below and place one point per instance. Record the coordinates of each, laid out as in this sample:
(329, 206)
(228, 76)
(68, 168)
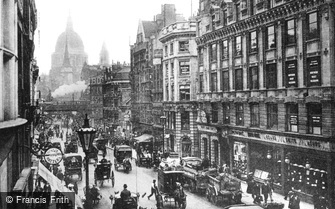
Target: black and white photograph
(167, 104)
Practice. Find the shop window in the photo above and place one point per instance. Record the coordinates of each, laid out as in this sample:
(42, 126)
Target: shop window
(292, 117)
(271, 76)
(272, 116)
(214, 81)
(224, 50)
(290, 32)
(253, 78)
(225, 80)
(314, 71)
(212, 52)
(201, 83)
(239, 79)
(254, 115)
(171, 49)
(183, 46)
(184, 67)
(253, 41)
(238, 46)
(312, 26)
(314, 112)
(185, 120)
(226, 113)
(291, 73)
(215, 112)
(240, 159)
(271, 37)
(239, 114)
(184, 92)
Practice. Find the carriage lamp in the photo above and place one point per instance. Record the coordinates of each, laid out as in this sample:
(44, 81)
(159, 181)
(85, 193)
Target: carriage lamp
(86, 137)
(163, 121)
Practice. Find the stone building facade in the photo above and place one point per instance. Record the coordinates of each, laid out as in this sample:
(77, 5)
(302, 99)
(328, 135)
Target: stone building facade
(266, 90)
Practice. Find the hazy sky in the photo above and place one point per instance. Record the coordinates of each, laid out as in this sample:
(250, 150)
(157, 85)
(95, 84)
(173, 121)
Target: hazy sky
(96, 21)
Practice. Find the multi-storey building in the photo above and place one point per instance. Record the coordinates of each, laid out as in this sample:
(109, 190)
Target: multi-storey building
(179, 86)
(266, 85)
(17, 78)
(96, 99)
(146, 74)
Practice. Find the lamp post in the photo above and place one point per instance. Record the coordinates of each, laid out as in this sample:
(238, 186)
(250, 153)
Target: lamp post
(86, 137)
(163, 120)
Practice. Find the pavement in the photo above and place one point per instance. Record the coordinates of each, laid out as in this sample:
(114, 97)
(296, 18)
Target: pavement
(246, 198)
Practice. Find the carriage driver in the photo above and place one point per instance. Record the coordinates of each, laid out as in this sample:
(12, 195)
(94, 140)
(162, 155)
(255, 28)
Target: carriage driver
(125, 193)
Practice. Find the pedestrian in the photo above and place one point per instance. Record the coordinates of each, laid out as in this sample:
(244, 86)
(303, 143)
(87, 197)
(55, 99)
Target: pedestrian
(287, 188)
(294, 202)
(266, 190)
(154, 189)
(47, 193)
(257, 193)
(250, 187)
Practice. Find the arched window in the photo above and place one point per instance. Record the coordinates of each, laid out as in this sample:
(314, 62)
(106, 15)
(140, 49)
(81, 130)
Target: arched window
(186, 146)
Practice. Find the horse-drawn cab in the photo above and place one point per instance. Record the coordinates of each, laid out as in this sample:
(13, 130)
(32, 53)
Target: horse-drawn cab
(73, 163)
(103, 171)
(144, 151)
(122, 157)
(100, 144)
(169, 192)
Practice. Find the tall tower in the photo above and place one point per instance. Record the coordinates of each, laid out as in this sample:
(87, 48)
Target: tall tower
(104, 55)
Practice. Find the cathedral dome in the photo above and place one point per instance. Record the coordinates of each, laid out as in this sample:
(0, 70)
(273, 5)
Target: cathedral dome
(74, 41)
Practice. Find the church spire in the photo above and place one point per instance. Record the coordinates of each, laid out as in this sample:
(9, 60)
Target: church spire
(104, 55)
(66, 61)
(69, 25)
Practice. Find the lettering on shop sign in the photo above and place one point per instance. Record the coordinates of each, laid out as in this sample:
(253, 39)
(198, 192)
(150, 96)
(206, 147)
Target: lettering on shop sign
(207, 129)
(318, 145)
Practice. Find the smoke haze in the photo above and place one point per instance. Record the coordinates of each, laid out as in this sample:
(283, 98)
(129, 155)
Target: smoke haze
(69, 89)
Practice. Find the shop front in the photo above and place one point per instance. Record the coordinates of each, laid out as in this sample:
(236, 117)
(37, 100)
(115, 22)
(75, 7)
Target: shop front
(209, 144)
(299, 164)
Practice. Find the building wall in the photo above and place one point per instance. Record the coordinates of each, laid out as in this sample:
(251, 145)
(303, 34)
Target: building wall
(301, 74)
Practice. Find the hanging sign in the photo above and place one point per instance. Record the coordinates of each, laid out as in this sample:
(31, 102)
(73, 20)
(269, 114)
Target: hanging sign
(53, 156)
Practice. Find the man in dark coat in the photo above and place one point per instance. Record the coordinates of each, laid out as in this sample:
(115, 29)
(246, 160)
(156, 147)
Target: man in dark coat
(125, 193)
(266, 190)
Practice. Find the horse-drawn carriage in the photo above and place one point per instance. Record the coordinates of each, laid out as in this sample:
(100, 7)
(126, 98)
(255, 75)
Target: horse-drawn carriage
(122, 157)
(71, 146)
(100, 144)
(169, 194)
(73, 164)
(144, 150)
(102, 172)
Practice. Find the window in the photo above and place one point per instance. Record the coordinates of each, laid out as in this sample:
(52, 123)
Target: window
(272, 116)
(215, 112)
(172, 92)
(314, 71)
(214, 81)
(251, 4)
(201, 56)
(271, 76)
(166, 70)
(313, 26)
(184, 67)
(254, 115)
(183, 46)
(201, 83)
(166, 50)
(253, 41)
(292, 117)
(185, 120)
(291, 73)
(172, 69)
(271, 37)
(239, 114)
(171, 48)
(314, 112)
(224, 49)
(290, 32)
(225, 80)
(212, 53)
(253, 78)
(226, 113)
(239, 79)
(238, 12)
(225, 16)
(238, 46)
(184, 92)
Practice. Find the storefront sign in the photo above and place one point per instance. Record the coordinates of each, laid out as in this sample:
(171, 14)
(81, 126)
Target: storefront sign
(207, 129)
(53, 156)
(297, 142)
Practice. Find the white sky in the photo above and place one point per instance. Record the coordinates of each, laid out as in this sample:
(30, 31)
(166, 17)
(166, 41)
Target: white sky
(96, 21)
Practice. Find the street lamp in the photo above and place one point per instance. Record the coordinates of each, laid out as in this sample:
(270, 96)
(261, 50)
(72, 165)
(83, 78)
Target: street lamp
(86, 137)
(163, 120)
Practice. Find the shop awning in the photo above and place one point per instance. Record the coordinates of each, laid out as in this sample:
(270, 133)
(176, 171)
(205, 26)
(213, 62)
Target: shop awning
(144, 138)
(56, 184)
